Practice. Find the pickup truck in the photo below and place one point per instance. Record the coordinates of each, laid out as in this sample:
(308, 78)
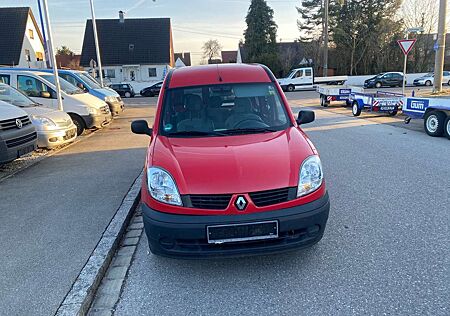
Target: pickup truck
(304, 78)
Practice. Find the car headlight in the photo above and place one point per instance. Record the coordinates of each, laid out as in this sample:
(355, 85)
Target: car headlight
(310, 176)
(110, 99)
(162, 187)
(92, 110)
(41, 120)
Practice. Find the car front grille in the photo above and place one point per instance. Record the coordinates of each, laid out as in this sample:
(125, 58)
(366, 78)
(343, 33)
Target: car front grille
(212, 202)
(11, 123)
(269, 197)
(21, 140)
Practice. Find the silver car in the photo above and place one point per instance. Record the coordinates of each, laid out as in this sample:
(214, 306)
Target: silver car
(53, 127)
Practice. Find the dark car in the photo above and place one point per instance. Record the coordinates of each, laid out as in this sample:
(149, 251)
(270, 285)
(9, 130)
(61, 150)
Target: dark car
(123, 89)
(388, 79)
(152, 91)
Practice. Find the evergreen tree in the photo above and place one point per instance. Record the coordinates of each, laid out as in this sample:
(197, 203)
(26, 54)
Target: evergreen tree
(260, 35)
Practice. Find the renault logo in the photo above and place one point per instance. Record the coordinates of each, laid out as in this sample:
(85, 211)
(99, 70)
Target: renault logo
(241, 203)
(19, 123)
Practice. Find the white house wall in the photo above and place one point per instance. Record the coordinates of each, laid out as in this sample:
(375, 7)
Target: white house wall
(33, 45)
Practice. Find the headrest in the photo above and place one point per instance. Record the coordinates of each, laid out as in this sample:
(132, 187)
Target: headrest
(193, 102)
(242, 105)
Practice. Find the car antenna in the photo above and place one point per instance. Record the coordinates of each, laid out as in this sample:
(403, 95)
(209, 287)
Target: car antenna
(218, 73)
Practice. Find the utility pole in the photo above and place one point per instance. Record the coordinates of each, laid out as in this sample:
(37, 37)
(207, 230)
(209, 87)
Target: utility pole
(97, 48)
(439, 60)
(325, 39)
(47, 55)
(52, 56)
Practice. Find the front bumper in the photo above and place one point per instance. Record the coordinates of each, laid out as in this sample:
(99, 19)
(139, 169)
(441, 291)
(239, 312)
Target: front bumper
(16, 143)
(369, 85)
(184, 236)
(116, 107)
(53, 138)
(97, 120)
(418, 83)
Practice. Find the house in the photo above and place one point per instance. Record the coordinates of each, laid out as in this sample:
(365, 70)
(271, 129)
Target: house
(21, 42)
(69, 61)
(229, 56)
(184, 57)
(132, 50)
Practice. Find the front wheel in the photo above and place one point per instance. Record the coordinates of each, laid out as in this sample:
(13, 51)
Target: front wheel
(447, 127)
(434, 123)
(127, 94)
(428, 83)
(356, 111)
(290, 88)
(79, 123)
(378, 85)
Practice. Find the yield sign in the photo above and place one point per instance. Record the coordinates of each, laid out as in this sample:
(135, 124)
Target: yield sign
(406, 45)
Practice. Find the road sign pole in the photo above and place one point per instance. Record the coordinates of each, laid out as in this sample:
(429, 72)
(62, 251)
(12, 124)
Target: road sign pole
(97, 48)
(406, 45)
(52, 55)
(404, 75)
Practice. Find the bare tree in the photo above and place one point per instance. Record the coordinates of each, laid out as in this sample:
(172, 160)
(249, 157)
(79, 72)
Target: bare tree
(211, 49)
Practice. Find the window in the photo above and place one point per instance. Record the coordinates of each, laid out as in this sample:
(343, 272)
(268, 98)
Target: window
(39, 56)
(70, 79)
(299, 74)
(124, 86)
(5, 79)
(447, 52)
(130, 47)
(152, 72)
(32, 87)
(111, 73)
(220, 110)
(27, 55)
(308, 73)
(31, 34)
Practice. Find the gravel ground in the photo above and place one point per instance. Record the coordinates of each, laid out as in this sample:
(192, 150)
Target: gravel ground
(385, 249)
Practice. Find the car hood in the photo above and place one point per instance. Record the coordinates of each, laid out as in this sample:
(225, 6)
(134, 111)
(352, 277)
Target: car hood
(107, 92)
(233, 164)
(8, 111)
(54, 115)
(89, 100)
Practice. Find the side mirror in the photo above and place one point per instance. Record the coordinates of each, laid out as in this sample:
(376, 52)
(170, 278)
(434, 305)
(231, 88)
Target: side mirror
(141, 127)
(305, 117)
(45, 94)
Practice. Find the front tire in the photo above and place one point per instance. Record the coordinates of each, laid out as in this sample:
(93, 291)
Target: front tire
(127, 94)
(79, 123)
(378, 85)
(428, 83)
(290, 88)
(434, 122)
(447, 128)
(356, 111)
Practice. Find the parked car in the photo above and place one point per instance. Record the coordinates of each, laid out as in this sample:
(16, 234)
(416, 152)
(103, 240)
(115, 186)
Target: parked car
(85, 110)
(18, 135)
(388, 79)
(53, 127)
(123, 89)
(229, 170)
(152, 91)
(84, 81)
(428, 79)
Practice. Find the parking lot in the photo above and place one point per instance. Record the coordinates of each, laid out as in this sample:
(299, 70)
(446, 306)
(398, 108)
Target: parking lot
(385, 249)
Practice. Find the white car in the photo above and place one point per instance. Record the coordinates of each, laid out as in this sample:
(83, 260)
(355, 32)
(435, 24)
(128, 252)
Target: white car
(53, 127)
(428, 79)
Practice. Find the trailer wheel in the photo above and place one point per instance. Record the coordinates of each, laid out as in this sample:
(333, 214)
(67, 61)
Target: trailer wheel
(323, 101)
(356, 111)
(434, 123)
(447, 127)
(392, 113)
(290, 88)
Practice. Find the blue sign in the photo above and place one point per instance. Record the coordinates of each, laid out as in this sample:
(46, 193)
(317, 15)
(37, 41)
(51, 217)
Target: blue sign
(345, 91)
(436, 46)
(416, 105)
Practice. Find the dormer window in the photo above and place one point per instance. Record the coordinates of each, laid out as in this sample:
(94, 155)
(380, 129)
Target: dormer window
(31, 34)
(130, 47)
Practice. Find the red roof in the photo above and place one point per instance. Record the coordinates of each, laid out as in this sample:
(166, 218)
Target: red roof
(217, 74)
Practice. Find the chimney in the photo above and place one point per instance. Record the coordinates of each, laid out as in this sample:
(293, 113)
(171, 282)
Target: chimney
(121, 16)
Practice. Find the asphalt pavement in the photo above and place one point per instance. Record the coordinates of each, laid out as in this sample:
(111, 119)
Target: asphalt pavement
(385, 249)
(53, 213)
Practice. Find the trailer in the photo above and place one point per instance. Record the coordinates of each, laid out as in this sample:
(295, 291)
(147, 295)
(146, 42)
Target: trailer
(336, 93)
(435, 112)
(380, 101)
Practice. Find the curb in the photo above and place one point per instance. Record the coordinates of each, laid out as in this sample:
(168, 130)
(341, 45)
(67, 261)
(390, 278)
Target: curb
(81, 295)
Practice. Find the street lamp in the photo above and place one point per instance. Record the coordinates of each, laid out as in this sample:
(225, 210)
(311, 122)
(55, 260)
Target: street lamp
(97, 48)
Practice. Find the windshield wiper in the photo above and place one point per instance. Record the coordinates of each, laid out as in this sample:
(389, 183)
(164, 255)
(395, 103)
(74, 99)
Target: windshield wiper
(196, 133)
(250, 130)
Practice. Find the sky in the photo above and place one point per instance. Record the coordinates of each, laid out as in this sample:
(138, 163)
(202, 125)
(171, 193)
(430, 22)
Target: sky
(193, 21)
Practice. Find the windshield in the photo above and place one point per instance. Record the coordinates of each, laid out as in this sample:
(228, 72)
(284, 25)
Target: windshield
(12, 96)
(65, 85)
(93, 84)
(221, 110)
(430, 74)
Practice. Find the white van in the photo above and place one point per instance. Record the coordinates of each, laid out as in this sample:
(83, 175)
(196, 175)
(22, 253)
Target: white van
(85, 110)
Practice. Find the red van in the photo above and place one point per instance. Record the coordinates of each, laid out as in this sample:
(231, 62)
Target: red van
(229, 171)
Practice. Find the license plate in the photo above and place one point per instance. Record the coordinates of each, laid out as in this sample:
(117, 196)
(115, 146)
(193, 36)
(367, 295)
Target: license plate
(387, 108)
(25, 150)
(219, 234)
